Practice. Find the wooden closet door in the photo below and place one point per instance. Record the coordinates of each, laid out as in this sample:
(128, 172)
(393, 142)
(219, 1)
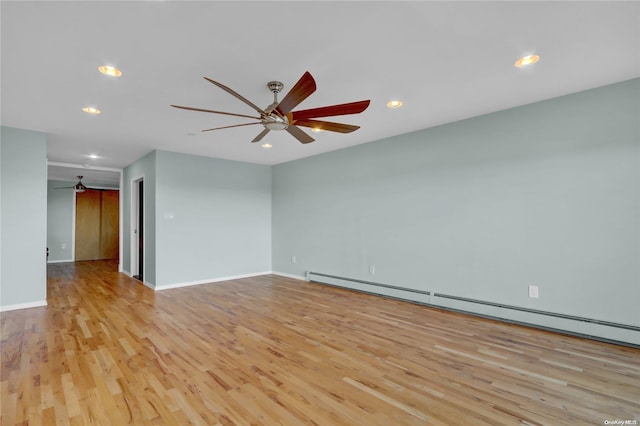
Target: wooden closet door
(88, 224)
(97, 225)
(109, 235)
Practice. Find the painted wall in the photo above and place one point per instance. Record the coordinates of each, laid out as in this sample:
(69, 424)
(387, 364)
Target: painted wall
(23, 199)
(144, 167)
(213, 218)
(206, 218)
(60, 211)
(546, 194)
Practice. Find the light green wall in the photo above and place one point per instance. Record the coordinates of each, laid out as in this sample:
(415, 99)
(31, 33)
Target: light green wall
(213, 218)
(60, 210)
(23, 224)
(205, 218)
(545, 194)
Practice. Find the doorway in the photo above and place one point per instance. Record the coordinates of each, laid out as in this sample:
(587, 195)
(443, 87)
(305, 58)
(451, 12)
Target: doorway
(137, 229)
(61, 208)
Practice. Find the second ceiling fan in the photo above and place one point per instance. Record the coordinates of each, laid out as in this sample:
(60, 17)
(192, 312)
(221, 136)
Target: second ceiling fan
(279, 114)
(78, 187)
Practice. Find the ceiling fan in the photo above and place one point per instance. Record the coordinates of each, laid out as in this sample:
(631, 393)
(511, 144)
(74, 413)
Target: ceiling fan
(78, 187)
(279, 115)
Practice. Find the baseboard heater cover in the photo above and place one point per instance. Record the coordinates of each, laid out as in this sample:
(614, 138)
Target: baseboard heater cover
(607, 331)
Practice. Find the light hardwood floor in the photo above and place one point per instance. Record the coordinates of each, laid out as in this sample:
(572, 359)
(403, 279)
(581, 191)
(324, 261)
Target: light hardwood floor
(271, 350)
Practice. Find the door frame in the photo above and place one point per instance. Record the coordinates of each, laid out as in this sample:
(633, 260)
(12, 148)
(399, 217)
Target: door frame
(73, 228)
(135, 210)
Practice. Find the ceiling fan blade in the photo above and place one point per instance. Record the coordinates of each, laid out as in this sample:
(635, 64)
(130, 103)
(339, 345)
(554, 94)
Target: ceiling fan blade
(299, 134)
(327, 125)
(227, 127)
(237, 95)
(261, 135)
(215, 112)
(298, 93)
(332, 110)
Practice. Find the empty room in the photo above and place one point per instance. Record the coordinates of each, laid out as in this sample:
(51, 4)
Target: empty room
(320, 212)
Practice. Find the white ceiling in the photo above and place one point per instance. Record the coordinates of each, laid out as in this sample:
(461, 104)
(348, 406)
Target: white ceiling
(446, 60)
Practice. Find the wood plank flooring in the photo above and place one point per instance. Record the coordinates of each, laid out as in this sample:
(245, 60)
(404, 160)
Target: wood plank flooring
(271, 350)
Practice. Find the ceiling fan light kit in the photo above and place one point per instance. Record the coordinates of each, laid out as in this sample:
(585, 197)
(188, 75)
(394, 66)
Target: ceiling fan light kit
(280, 115)
(275, 123)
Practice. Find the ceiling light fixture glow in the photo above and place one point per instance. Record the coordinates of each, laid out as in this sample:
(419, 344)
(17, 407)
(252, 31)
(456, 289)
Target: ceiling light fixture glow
(394, 104)
(266, 145)
(526, 60)
(93, 156)
(91, 110)
(317, 130)
(109, 70)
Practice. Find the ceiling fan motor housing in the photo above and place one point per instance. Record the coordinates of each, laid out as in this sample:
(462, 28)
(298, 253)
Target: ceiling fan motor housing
(273, 122)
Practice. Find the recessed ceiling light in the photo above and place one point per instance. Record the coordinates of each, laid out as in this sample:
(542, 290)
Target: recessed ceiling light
(266, 145)
(93, 156)
(91, 110)
(526, 60)
(109, 70)
(394, 104)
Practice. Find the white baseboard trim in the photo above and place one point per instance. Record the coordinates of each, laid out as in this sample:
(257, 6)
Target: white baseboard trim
(151, 286)
(23, 306)
(214, 280)
(60, 261)
(295, 277)
(208, 281)
(146, 284)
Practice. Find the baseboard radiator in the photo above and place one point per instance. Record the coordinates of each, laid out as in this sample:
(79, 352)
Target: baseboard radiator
(611, 332)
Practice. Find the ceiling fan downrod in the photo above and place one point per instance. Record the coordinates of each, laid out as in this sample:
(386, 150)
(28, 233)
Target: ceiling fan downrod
(275, 87)
(274, 121)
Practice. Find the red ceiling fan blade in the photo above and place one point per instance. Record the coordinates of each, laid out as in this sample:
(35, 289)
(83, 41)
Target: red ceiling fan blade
(261, 135)
(237, 95)
(215, 112)
(298, 93)
(332, 110)
(327, 125)
(228, 127)
(299, 134)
